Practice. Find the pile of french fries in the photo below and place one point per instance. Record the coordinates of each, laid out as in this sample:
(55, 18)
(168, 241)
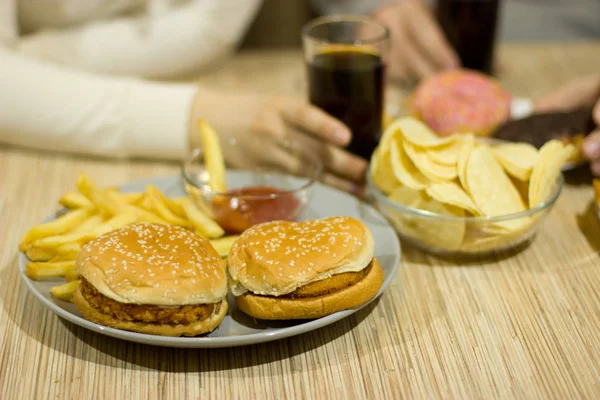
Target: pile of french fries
(93, 211)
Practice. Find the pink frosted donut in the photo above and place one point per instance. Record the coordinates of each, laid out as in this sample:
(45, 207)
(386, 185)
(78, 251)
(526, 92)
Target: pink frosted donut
(461, 101)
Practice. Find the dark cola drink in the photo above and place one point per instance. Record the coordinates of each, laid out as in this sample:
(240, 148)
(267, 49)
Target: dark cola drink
(349, 84)
(470, 27)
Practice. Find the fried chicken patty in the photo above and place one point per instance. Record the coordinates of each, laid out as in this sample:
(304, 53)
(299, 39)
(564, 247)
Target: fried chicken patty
(146, 313)
(329, 285)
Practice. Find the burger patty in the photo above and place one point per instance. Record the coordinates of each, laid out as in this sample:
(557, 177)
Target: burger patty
(329, 285)
(146, 313)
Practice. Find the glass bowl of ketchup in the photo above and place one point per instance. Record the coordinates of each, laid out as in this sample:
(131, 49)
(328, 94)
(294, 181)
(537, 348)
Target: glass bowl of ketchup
(261, 186)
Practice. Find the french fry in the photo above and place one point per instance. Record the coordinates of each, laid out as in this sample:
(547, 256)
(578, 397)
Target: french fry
(145, 215)
(41, 270)
(68, 251)
(213, 157)
(35, 254)
(178, 200)
(105, 200)
(130, 198)
(73, 199)
(146, 203)
(223, 245)
(62, 224)
(65, 291)
(109, 202)
(203, 225)
(163, 207)
(115, 222)
(72, 275)
(89, 224)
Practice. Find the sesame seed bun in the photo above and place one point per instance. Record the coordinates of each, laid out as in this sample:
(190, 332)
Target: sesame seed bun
(298, 270)
(191, 329)
(155, 265)
(310, 307)
(276, 258)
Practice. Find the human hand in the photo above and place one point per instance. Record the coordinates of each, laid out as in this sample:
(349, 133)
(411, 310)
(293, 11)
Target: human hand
(419, 47)
(580, 92)
(260, 125)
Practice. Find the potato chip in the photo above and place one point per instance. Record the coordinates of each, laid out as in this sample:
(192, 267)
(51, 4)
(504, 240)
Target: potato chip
(448, 154)
(517, 159)
(596, 183)
(419, 134)
(382, 172)
(436, 233)
(391, 132)
(522, 188)
(546, 170)
(451, 193)
(432, 170)
(486, 243)
(404, 170)
(491, 189)
(477, 240)
(461, 163)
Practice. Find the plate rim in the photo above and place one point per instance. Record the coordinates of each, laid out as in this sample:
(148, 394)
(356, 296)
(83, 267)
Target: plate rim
(204, 341)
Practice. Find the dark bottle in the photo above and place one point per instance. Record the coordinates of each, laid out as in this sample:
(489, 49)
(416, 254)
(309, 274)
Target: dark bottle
(470, 26)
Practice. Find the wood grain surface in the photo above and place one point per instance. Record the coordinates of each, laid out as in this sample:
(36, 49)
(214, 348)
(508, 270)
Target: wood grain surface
(524, 325)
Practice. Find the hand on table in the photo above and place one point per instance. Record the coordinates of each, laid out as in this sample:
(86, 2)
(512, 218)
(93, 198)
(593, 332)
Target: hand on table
(580, 92)
(261, 124)
(419, 47)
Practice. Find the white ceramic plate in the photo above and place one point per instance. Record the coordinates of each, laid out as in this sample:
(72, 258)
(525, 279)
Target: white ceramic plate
(238, 329)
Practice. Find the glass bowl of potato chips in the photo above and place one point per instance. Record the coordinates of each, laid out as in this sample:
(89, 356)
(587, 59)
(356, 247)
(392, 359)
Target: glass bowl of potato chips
(462, 195)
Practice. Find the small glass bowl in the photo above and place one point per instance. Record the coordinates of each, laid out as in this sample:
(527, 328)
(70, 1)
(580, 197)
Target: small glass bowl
(451, 235)
(273, 190)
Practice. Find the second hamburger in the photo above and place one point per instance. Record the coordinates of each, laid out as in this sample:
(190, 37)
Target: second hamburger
(304, 270)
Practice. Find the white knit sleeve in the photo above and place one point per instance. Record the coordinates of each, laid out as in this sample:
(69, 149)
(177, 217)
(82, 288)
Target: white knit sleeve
(53, 107)
(180, 37)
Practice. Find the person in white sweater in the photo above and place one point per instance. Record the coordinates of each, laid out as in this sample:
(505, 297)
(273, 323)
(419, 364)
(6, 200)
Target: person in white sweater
(81, 77)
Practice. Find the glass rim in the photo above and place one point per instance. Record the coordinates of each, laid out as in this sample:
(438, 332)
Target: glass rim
(312, 178)
(345, 18)
(381, 197)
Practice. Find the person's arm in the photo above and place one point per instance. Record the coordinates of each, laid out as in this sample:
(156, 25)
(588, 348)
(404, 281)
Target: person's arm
(52, 107)
(182, 38)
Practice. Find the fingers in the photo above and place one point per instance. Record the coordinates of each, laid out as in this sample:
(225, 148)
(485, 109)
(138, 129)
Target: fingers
(419, 47)
(591, 146)
(595, 167)
(580, 92)
(270, 124)
(345, 164)
(314, 121)
(335, 159)
(342, 184)
(418, 65)
(426, 34)
(396, 69)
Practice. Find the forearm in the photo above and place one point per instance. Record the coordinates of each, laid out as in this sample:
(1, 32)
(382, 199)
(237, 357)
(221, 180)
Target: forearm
(55, 108)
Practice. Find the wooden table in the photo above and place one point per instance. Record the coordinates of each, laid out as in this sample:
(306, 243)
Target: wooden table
(523, 326)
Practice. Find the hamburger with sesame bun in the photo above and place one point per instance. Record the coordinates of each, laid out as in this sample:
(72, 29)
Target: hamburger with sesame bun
(154, 279)
(303, 270)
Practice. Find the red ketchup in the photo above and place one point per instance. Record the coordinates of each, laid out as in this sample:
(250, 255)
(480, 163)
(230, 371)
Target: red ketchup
(241, 210)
